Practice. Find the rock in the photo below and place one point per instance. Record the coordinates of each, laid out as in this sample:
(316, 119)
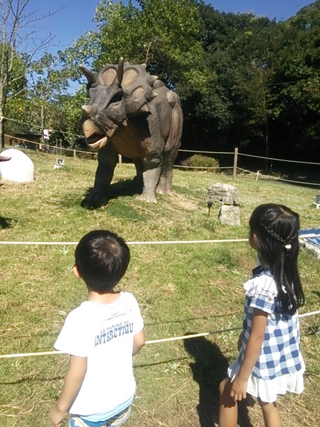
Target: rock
(225, 194)
(229, 215)
(19, 168)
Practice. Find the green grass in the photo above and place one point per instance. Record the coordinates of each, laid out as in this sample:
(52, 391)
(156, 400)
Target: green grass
(181, 288)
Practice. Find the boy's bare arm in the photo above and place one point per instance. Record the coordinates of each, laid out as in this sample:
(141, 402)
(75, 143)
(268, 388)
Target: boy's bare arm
(138, 342)
(74, 378)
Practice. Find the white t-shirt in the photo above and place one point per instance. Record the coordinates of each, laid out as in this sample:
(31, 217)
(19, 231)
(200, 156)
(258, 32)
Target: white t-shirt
(104, 334)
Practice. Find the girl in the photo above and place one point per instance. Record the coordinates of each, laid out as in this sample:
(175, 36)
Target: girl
(269, 361)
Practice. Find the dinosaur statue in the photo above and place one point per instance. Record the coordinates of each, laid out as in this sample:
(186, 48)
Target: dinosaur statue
(133, 114)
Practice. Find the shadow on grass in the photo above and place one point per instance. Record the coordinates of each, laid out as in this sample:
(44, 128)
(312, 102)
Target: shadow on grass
(128, 187)
(162, 362)
(33, 379)
(209, 369)
(317, 293)
(192, 319)
(5, 222)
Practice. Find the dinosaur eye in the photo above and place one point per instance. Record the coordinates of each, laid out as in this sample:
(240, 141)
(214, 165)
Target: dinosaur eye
(118, 96)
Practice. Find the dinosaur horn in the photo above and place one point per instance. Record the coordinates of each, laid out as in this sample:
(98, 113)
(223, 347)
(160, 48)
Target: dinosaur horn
(144, 109)
(89, 75)
(120, 70)
(87, 109)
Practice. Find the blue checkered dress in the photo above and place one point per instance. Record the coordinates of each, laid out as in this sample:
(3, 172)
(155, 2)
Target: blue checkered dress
(280, 353)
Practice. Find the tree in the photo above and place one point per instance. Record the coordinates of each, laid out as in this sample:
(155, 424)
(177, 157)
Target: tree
(243, 81)
(230, 108)
(68, 115)
(15, 24)
(297, 79)
(161, 33)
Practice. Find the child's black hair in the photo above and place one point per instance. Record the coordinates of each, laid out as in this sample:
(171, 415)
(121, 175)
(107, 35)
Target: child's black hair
(102, 259)
(276, 228)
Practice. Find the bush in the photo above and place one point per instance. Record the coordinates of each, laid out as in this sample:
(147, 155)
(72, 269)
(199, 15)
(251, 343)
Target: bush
(200, 162)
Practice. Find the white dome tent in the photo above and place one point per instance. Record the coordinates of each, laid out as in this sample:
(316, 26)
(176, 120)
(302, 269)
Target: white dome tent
(19, 168)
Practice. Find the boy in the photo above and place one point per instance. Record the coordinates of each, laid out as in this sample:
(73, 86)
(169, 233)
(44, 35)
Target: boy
(101, 335)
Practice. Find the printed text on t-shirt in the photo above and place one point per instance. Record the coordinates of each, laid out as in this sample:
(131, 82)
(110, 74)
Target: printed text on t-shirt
(114, 331)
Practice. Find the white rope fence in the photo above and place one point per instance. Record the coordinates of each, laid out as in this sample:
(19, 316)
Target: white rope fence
(207, 168)
(165, 242)
(180, 150)
(276, 178)
(158, 341)
(279, 160)
(48, 353)
(184, 337)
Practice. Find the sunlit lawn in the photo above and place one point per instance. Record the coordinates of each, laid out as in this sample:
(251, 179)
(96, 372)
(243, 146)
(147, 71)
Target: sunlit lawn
(181, 288)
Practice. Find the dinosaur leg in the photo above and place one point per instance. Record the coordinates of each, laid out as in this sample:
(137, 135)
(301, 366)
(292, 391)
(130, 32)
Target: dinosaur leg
(152, 163)
(171, 151)
(165, 181)
(150, 180)
(139, 172)
(152, 166)
(98, 195)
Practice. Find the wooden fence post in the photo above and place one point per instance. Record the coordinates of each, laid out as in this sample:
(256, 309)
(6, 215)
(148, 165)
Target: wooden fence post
(235, 163)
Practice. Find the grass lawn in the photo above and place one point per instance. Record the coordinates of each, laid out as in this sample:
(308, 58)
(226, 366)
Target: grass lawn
(181, 288)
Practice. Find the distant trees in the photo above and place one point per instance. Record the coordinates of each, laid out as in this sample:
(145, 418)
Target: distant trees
(17, 53)
(297, 85)
(243, 81)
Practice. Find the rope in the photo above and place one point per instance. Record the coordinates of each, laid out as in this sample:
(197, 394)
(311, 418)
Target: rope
(54, 147)
(206, 152)
(182, 150)
(202, 167)
(274, 178)
(165, 242)
(194, 167)
(53, 130)
(309, 314)
(158, 341)
(278, 160)
(168, 242)
(297, 182)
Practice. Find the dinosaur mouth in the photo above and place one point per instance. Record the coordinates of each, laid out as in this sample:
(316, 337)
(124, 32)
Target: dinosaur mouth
(96, 145)
(97, 135)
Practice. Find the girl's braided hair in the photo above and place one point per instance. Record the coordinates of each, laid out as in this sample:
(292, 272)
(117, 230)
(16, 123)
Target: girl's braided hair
(286, 242)
(276, 228)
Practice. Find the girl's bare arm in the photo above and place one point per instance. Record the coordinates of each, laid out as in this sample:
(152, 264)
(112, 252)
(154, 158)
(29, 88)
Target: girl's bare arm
(259, 323)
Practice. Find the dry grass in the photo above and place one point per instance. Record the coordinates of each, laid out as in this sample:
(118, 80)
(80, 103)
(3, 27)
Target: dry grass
(181, 289)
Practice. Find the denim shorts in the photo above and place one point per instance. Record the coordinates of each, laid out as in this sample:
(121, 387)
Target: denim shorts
(115, 421)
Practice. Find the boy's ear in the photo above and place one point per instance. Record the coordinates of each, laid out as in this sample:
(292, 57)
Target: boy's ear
(76, 272)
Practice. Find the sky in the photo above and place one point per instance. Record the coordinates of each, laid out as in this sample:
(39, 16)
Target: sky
(75, 17)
